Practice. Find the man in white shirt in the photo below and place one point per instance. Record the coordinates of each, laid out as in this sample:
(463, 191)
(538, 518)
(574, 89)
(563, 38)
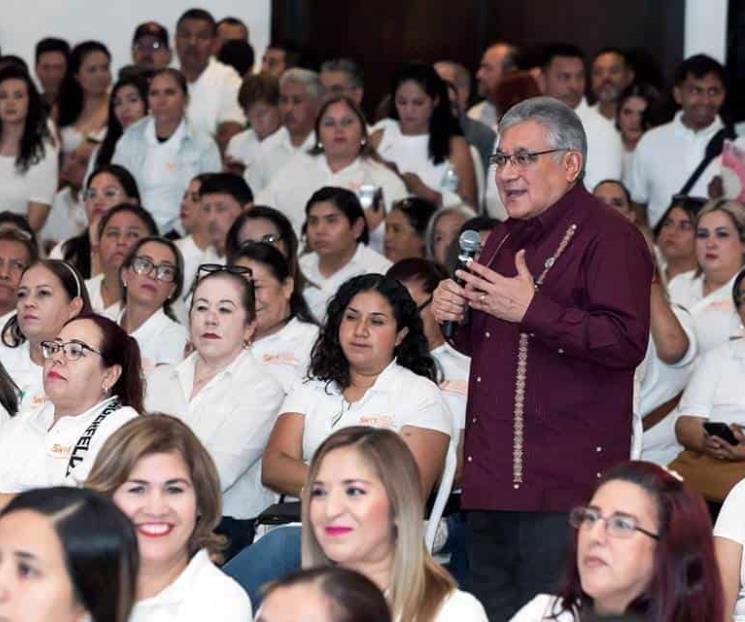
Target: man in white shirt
(300, 93)
(563, 76)
(213, 87)
(278, 58)
(224, 197)
(342, 76)
(610, 75)
(498, 59)
(667, 156)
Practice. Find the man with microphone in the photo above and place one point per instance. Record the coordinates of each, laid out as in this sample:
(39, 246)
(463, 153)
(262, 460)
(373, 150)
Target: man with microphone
(559, 319)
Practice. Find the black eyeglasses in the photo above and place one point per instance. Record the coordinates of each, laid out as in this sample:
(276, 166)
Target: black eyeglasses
(211, 268)
(520, 159)
(268, 238)
(617, 525)
(164, 272)
(73, 350)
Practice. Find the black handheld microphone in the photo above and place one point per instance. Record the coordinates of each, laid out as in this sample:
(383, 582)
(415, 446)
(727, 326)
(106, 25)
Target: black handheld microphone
(469, 244)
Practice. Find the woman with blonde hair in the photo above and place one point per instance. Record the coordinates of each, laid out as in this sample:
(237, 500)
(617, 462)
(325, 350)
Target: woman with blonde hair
(358, 513)
(161, 476)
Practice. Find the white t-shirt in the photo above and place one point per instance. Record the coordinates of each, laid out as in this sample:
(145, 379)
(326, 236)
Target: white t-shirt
(201, 592)
(36, 185)
(213, 97)
(233, 415)
(541, 609)
(34, 456)
(66, 219)
(161, 340)
(320, 289)
(731, 526)
(275, 151)
(303, 174)
(455, 369)
(28, 376)
(246, 148)
(664, 159)
(604, 146)
(715, 318)
(398, 398)
(93, 286)
(461, 607)
(286, 353)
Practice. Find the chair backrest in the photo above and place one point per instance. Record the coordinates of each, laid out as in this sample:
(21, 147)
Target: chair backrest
(443, 492)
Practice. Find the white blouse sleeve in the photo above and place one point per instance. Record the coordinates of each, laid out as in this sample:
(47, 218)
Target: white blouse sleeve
(463, 607)
(426, 409)
(730, 523)
(41, 178)
(698, 397)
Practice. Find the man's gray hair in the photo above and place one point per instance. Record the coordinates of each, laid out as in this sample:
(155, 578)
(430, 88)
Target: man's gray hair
(303, 76)
(563, 128)
(347, 66)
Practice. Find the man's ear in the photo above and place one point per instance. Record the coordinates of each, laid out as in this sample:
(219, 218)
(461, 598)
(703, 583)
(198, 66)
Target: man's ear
(573, 163)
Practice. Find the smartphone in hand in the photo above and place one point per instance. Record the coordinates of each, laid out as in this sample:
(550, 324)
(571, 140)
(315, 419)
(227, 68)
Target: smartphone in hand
(722, 430)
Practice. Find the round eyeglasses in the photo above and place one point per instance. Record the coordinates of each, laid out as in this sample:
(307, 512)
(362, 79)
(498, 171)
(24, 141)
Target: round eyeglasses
(164, 272)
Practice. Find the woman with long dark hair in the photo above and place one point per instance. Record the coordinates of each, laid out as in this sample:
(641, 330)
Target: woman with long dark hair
(28, 153)
(423, 139)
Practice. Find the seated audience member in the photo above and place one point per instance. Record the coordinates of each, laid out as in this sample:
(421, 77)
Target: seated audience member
(17, 252)
(381, 465)
(483, 225)
(8, 398)
(300, 93)
(337, 238)
(642, 550)
(152, 277)
(118, 231)
(259, 98)
(614, 194)
(425, 142)
(728, 544)
(213, 87)
(370, 358)
(128, 104)
(635, 115)
(443, 231)
(406, 228)
(231, 29)
(150, 49)
(165, 150)
(330, 594)
(83, 99)
(562, 76)
(343, 76)
(497, 61)
(342, 158)
(50, 292)
(93, 384)
(224, 197)
(66, 554)
(195, 245)
(674, 235)
(714, 395)
(610, 75)
(221, 391)
(106, 187)
(667, 156)
(15, 222)
(159, 474)
(67, 217)
(279, 57)
(707, 292)
(28, 164)
(239, 55)
(51, 58)
(285, 330)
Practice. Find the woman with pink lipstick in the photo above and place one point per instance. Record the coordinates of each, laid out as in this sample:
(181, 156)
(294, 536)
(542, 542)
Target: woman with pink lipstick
(707, 292)
(358, 513)
(224, 394)
(152, 277)
(642, 548)
(161, 476)
(93, 384)
(49, 293)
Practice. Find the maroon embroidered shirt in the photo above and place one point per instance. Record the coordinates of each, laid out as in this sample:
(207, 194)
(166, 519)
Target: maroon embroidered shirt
(537, 440)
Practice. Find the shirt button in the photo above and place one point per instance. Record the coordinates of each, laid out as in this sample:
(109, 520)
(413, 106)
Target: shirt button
(473, 420)
(478, 378)
(487, 334)
(599, 475)
(561, 350)
(470, 459)
(516, 486)
(531, 334)
(598, 449)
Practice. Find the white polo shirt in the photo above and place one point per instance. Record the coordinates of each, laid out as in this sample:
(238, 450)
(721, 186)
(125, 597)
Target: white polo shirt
(455, 369)
(233, 415)
(715, 318)
(320, 289)
(730, 526)
(604, 146)
(35, 451)
(398, 398)
(201, 592)
(28, 376)
(303, 174)
(543, 608)
(160, 338)
(664, 159)
(66, 219)
(213, 97)
(275, 151)
(36, 185)
(246, 149)
(93, 286)
(286, 353)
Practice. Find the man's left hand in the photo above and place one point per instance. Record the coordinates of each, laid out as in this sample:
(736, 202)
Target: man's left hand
(502, 297)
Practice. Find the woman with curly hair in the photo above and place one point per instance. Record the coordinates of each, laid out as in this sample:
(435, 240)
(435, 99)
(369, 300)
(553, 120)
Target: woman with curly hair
(28, 156)
(370, 366)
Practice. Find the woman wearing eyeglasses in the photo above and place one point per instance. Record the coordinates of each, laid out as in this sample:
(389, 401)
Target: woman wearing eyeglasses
(285, 329)
(224, 394)
(642, 548)
(93, 382)
(152, 276)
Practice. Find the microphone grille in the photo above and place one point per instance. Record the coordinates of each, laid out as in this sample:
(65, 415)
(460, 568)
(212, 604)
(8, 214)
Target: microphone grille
(469, 241)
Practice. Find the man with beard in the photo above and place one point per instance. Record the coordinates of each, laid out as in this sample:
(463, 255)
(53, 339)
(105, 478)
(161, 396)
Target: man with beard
(611, 74)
